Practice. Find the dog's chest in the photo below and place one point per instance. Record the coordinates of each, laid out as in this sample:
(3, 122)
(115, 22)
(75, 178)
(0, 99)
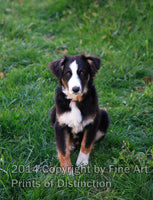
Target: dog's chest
(74, 119)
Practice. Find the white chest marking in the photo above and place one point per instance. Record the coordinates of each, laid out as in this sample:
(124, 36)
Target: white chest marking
(73, 119)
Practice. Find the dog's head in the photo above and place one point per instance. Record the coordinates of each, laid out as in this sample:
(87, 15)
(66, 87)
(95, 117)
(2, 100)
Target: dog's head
(75, 73)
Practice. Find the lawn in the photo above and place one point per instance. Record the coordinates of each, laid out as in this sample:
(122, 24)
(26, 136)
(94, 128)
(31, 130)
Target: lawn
(34, 33)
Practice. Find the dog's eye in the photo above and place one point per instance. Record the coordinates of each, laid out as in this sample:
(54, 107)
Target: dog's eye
(68, 74)
(82, 73)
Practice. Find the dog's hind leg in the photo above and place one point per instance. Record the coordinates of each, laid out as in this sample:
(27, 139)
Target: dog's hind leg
(103, 125)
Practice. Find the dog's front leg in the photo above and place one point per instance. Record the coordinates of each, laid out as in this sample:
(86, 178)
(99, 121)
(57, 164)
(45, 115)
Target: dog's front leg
(86, 146)
(62, 143)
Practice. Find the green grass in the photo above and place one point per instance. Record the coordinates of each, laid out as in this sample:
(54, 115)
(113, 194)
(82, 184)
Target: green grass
(34, 33)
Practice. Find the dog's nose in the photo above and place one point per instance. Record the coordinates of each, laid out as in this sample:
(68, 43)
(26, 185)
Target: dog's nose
(76, 89)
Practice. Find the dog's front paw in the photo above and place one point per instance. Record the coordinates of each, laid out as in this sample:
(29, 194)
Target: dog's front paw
(83, 159)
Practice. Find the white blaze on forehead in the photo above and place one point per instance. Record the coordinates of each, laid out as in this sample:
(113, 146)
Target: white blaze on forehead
(74, 80)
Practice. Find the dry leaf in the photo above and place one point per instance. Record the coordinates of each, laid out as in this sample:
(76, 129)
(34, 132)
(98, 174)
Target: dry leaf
(8, 10)
(50, 37)
(139, 89)
(148, 79)
(86, 16)
(106, 20)
(2, 75)
(136, 52)
(62, 51)
(129, 22)
(94, 14)
(104, 37)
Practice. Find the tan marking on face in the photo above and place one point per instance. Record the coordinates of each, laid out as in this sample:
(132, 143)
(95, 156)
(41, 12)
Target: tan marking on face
(79, 97)
(65, 85)
(89, 61)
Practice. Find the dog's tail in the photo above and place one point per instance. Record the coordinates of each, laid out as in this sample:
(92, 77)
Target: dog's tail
(104, 121)
(103, 125)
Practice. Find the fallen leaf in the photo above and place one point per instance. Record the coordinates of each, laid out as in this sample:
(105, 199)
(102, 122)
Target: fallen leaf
(50, 37)
(136, 52)
(8, 10)
(2, 75)
(2, 23)
(96, 2)
(94, 14)
(106, 20)
(104, 37)
(86, 16)
(62, 51)
(139, 89)
(148, 79)
(129, 22)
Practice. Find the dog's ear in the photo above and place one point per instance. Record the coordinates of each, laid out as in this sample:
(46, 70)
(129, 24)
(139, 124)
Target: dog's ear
(57, 66)
(94, 63)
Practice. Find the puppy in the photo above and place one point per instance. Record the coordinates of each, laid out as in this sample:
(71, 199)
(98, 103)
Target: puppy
(76, 117)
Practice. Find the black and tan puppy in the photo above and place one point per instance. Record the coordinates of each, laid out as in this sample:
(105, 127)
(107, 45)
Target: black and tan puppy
(76, 116)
